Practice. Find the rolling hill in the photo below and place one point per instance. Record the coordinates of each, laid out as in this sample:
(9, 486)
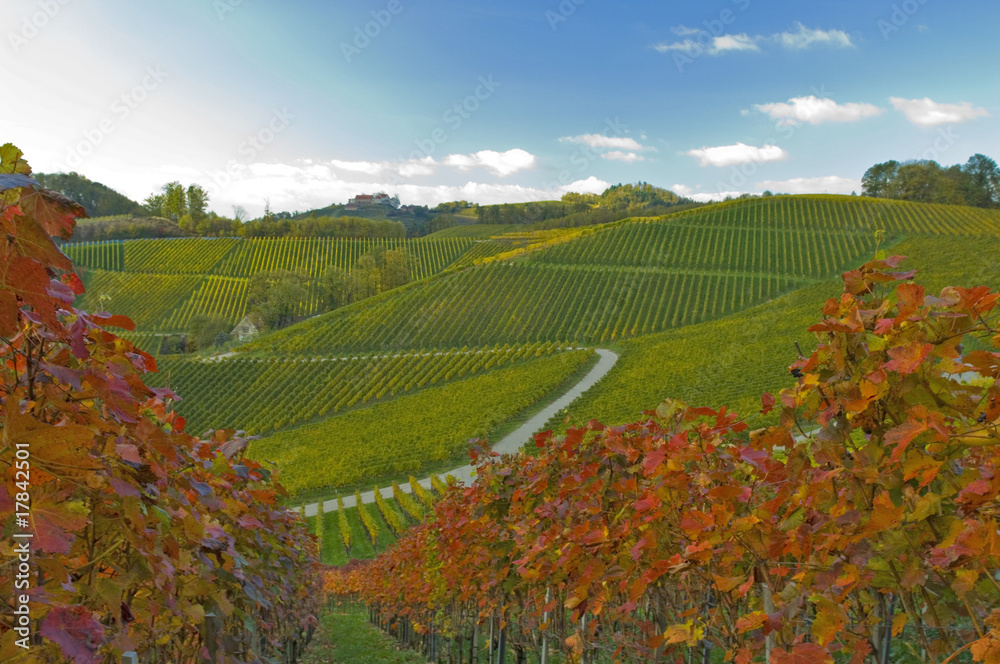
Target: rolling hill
(704, 305)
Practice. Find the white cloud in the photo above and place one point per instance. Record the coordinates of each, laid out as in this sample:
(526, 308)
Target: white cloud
(306, 186)
(730, 155)
(627, 157)
(800, 39)
(804, 38)
(815, 111)
(684, 31)
(498, 163)
(714, 46)
(832, 184)
(600, 141)
(367, 167)
(927, 113)
(416, 167)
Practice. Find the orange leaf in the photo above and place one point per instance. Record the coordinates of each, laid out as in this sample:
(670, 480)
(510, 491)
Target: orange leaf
(727, 583)
(884, 516)
(804, 653)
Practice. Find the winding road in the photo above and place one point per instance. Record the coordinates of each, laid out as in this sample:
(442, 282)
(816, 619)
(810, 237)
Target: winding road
(508, 445)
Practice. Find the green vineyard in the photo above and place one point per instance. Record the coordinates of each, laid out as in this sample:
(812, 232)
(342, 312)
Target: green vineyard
(232, 257)
(693, 246)
(403, 436)
(635, 277)
(704, 305)
(524, 303)
(211, 276)
(734, 360)
(265, 395)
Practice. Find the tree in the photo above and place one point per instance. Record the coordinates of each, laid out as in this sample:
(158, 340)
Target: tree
(278, 296)
(174, 201)
(240, 213)
(368, 276)
(982, 186)
(338, 287)
(204, 331)
(154, 205)
(877, 181)
(197, 202)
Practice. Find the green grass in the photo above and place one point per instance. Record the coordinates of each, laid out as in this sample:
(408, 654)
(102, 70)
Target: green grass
(348, 638)
(403, 435)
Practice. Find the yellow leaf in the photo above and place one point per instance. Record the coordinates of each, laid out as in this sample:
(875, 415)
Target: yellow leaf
(684, 633)
(965, 581)
(828, 623)
(898, 623)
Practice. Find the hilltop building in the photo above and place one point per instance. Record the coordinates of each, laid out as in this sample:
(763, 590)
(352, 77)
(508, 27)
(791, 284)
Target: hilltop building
(365, 200)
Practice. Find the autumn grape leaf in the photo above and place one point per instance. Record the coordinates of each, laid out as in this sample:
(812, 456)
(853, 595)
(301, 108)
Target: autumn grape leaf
(727, 583)
(56, 213)
(685, 633)
(828, 623)
(899, 438)
(15, 180)
(75, 630)
(751, 621)
(804, 653)
(12, 160)
(884, 515)
(907, 359)
(987, 649)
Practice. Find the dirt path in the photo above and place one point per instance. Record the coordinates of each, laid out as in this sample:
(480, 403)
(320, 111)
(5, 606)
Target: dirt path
(508, 445)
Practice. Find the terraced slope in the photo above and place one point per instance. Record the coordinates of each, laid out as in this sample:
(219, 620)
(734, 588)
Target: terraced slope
(635, 277)
(161, 284)
(524, 303)
(232, 257)
(265, 395)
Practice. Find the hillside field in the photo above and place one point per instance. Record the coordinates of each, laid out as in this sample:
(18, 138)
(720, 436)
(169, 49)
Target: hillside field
(705, 305)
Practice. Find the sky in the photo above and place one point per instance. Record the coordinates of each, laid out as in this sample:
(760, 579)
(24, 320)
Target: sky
(304, 103)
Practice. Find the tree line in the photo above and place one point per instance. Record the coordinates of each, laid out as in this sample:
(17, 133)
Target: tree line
(976, 183)
(573, 209)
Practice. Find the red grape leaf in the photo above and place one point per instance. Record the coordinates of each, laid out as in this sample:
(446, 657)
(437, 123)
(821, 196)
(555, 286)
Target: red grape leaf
(76, 632)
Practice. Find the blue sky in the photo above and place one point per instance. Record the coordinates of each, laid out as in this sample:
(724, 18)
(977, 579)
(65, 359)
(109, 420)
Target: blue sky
(305, 103)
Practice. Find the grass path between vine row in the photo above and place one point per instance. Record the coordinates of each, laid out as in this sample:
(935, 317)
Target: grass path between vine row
(508, 445)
